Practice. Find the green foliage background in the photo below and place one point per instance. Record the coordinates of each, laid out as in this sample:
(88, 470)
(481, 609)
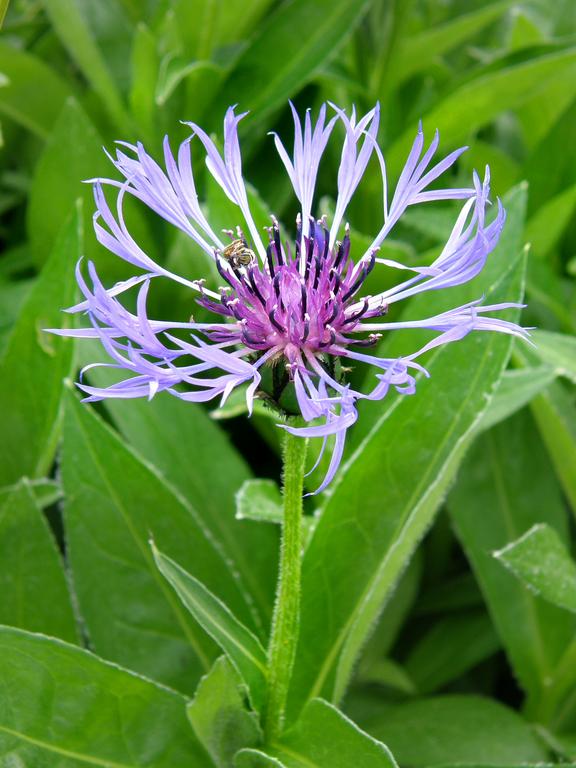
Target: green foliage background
(435, 646)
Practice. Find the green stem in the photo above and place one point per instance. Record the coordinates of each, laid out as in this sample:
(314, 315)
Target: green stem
(286, 620)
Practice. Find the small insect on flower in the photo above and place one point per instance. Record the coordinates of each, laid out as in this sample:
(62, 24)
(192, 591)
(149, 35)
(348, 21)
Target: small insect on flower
(295, 309)
(238, 254)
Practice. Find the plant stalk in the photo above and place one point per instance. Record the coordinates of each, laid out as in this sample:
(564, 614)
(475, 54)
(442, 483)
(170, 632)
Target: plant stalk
(286, 619)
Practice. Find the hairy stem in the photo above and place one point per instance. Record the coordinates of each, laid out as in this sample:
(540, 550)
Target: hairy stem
(286, 620)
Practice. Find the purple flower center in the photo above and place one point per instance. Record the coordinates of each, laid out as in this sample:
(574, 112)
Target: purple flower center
(297, 300)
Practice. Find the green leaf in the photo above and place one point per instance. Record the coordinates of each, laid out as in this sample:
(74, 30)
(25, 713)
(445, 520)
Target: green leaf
(388, 673)
(452, 647)
(548, 166)
(558, 350)
(504, 488)
(538, 118)
(224, 214)
(515, 390)
(500, 765)
(479, 101)
(540, 560)
(35, 363)
(525, 31)
(144, 65)
(32, 581)
(555, 415)
(63, 707)
(387, 493)
(219, 715)
(198, 460)
(254, 758)
(394, 614)
(259, 500)
(202, 77)
(45, 492)
(456, 729)
(73, 153)
(115, 502)
(548, 294)
(77, 37)
(12, 298)
(416, 53)
(34, 94)
(546, 227)
(324, 737)
(204, 25)
(236, 640)
(266, 73)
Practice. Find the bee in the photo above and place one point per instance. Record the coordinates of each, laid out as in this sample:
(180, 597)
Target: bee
(238, 254)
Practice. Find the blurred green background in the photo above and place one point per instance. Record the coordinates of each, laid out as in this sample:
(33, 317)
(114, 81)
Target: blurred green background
(77, 75)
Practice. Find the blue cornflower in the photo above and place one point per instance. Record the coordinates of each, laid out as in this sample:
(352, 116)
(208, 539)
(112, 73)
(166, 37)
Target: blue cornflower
(295, 306)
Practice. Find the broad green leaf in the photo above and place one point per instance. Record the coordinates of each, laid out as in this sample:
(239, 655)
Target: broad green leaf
(456, 729)
(200, 86)
(112, 27)
(548, 166)
(500, 765)
(202, 77)
(204, 24)
(236, 640)
(325, 738)
(452, 647)
(45, 492)
(516, 389)
(394, 614)
(198, 460)
(15, 261)
(219, 716)
(62, 707)
(72, 154)
(224, 214)
(546, 227)
(32, 581)
(388, 673)
(479, 101)
(505, 170)
(115, 503)
(504, 488)
(12, 297)
(259, 500)
(547, 291)
(198, 24)
(34, 94)
(77, 37)
(254, 758)
(555, 415)
(144, 61)
(386, 495)
(416, 53)
(558, 350)
(540, 560)
(525, 32)
(35, 363)
(267, 74)
(538, 116)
